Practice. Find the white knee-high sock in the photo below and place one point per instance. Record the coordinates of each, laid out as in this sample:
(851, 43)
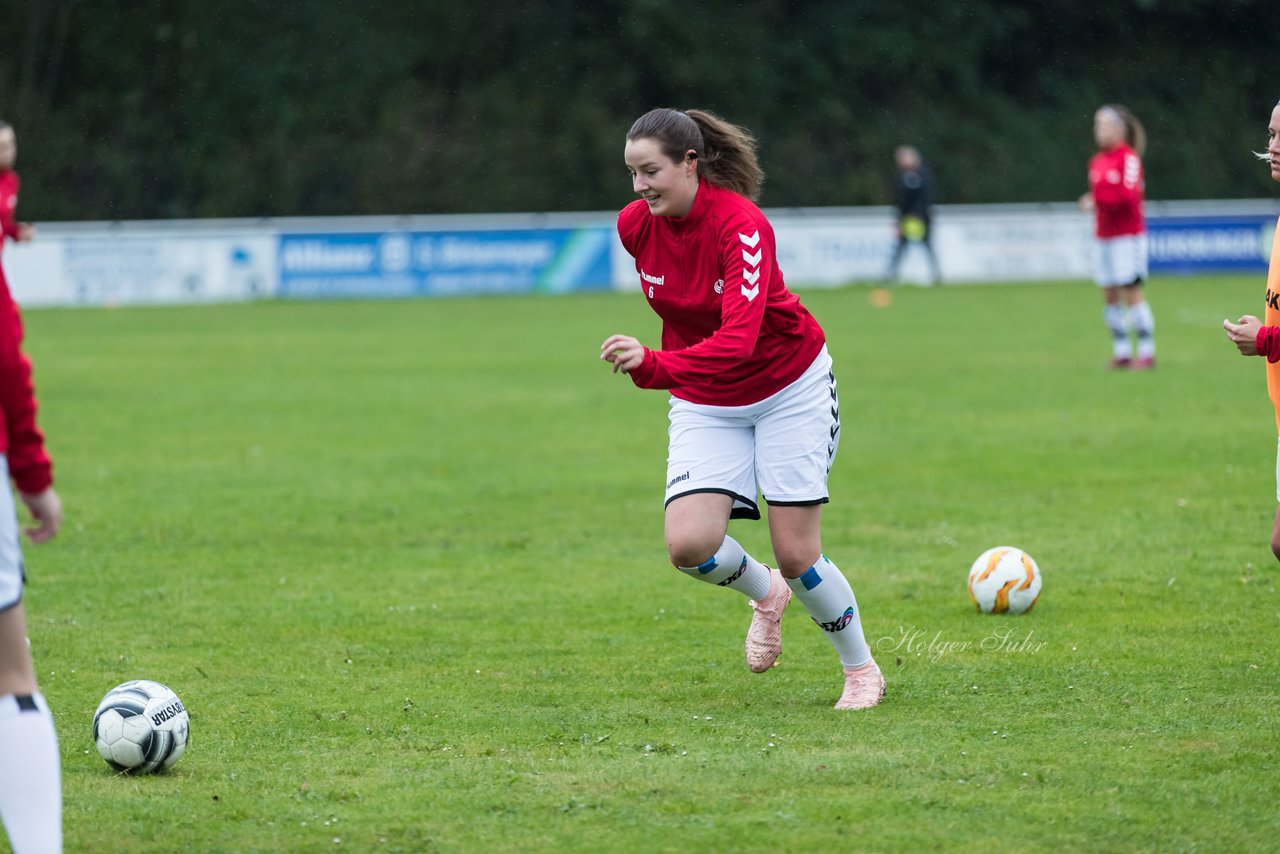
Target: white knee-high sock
(1117, 318)
(1144, 323)
(30, 780)
(732, 567)
(827, 596)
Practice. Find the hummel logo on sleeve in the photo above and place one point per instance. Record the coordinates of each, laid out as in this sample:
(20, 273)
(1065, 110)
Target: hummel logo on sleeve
(752, 273)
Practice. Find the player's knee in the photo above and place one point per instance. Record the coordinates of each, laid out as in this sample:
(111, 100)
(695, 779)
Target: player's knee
(1275, 545)
(795, 561)
(692, 548)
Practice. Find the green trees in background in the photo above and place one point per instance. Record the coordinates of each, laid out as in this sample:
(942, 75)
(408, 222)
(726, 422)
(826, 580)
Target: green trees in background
(176, 108)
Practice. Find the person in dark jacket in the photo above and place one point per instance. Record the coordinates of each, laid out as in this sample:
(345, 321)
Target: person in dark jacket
(914, 201)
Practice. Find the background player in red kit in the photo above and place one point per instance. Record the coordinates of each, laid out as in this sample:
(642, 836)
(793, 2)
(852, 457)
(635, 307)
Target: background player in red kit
(1116, 186)
(30, 789)
(753, 399)
(1249, 334)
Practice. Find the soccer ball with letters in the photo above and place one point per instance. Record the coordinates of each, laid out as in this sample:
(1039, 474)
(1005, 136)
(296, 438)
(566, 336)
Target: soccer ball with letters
(141, 726)
(1004, 580)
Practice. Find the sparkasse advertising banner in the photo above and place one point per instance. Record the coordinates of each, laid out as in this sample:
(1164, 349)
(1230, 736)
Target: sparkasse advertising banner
(406, 263)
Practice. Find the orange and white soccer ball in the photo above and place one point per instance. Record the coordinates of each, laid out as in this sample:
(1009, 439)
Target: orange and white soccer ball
(1004, 580)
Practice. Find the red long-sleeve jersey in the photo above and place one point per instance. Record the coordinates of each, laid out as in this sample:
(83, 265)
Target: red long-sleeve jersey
(8, 205)
(20, 438)
(1117, 183)
(732, 334)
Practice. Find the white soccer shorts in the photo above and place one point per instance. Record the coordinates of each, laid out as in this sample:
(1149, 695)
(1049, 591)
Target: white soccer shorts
(780, 448)
(1120, 260)
(10, 548)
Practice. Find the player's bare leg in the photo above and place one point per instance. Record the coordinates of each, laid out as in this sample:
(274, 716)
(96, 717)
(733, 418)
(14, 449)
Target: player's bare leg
(695, 526)
(1275, 535)
(17, 673)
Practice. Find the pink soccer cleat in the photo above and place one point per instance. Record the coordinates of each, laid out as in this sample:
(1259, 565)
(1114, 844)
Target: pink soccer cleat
(1145, 363)
(863, 687)
(1121, 363)
(764, 638)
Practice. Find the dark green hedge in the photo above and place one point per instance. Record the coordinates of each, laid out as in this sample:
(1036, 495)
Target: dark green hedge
(176, 108)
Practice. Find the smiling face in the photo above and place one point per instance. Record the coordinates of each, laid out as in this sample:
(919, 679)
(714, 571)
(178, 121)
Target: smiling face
(1273, 143)
(669, 187)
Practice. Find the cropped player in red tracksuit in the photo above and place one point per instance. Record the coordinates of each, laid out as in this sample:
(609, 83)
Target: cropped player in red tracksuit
(1254, 337)
(753, 402)
(1116, 187)
(30, 790)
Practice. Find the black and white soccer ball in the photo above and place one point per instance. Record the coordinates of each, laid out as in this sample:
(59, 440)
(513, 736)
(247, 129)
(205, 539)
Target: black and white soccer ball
(141, 726)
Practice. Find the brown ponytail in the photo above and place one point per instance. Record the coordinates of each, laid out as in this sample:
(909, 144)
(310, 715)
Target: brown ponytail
(726, 153)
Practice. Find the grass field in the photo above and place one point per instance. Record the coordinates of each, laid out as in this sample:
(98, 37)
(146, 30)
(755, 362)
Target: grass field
(403, 562)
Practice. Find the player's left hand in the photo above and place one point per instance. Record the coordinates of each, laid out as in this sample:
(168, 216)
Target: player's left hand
(623, 351)
(46, 510)
(1244, 334)
(26, 232)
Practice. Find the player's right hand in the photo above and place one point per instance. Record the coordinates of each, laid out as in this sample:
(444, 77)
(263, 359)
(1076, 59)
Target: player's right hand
(624, 352)
(46, 509)
(1244, 334)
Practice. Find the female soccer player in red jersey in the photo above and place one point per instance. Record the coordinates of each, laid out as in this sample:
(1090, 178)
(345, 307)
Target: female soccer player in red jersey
(30, 790)
(1120, 262)
(1250, 335)
(753, 404)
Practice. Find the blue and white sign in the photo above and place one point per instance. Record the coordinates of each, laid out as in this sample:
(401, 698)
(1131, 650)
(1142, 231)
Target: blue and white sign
(444, 263)
(143, 266)
(1195, 244)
